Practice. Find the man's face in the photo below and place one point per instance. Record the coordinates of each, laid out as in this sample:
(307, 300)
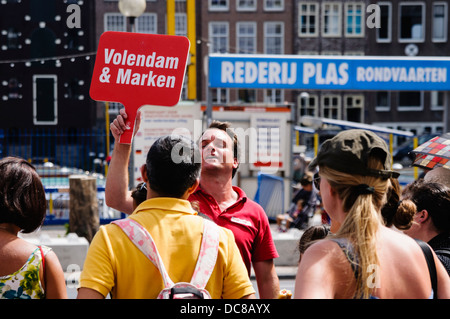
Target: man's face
(217, 150)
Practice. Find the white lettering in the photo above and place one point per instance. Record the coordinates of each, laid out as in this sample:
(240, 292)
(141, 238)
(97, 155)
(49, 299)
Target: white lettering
(308, 72)
(227, 72)
(274, 73)
(343, 73)
(239, 72)
(262, 73)
(123, 78)
(251, 72)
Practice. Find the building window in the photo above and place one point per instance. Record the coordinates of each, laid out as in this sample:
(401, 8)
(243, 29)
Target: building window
(147, 23)
(308, 106)
(354, 106)
(383, 100)
(115, 22)
(246, 37)
(181, 24)
(274, 5)
(410, 101)
(273, 96)
(440, 21)
(218, 5)
(274, 38)
(308, 20)
(437, 100)
(384, 33)
(331, 106)
(247, 96)
(331, 26)
(246, 5)
(218, 37)
(412, 22)
(45, 100)
(354, 19)
(220, 96)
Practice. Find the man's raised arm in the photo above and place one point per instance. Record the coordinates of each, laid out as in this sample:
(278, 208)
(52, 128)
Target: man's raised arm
(117, 195)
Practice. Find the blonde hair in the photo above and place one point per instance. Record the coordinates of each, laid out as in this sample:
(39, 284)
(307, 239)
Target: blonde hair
(363, 217)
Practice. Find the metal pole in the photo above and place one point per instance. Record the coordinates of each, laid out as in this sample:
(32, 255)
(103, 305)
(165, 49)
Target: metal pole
(171, 17)
(191, 33)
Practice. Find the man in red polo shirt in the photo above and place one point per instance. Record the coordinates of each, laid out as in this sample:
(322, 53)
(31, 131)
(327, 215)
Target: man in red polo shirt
(217, 198)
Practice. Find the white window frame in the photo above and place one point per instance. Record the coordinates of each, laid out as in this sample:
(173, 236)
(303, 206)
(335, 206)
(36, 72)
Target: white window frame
(338, 13)
(253, 36)
(181, 24)
(337, 107)
(362, 15)
(389, 24)
(383, 108)
(270, 5)
(247, 7)
(361, 107)
(217, 8)
(222, 96)
(274, 96)
(434, 98)
(267, 36)
(117, 15)
(154, 25)
(211, 36)
(314, 107)
(55, 98)
(408, 108)
(445, 26)
(308, 13)
(423, 31)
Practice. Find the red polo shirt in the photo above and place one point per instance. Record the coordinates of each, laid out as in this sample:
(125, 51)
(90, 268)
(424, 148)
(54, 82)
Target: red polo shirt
(248, 222)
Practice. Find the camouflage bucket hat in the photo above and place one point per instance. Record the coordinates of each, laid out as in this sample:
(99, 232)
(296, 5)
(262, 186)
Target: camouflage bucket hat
(349, 151)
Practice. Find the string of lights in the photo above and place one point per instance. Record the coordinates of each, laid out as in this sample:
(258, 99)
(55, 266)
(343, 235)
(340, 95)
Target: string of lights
(72, 57)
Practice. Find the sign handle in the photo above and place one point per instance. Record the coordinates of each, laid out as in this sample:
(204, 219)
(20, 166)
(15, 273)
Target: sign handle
(127, 136)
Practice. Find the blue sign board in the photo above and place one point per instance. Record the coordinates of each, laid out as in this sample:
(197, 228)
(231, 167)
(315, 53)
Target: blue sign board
(329, 73)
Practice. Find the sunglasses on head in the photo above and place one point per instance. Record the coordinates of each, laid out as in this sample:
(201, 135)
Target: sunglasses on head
(316, 181)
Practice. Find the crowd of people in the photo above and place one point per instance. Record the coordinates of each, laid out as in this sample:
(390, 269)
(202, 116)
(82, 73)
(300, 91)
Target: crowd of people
(196, 228)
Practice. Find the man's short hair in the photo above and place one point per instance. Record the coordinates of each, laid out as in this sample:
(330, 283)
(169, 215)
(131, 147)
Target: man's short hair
(173, 165)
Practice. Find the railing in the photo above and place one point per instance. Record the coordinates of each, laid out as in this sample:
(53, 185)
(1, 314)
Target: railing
(56, 154)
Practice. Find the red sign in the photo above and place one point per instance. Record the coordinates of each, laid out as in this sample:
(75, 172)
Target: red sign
(138, 69)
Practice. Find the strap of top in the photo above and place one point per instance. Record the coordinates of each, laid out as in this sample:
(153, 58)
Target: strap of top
(431, 264)
(349, 251)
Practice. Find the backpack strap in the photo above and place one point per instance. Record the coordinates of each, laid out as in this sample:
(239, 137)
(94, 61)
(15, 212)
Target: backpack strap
(144, 241)
(207, 256)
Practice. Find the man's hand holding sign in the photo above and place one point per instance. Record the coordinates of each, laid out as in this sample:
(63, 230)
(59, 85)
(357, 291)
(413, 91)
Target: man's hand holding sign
(139, 69)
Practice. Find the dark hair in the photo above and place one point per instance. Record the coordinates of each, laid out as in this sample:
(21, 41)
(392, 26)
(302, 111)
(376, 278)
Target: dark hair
(226, 127)
(399, 213)
(22, 195)
(139, 193)
(312, 234)
(173, 165)
(434, 198)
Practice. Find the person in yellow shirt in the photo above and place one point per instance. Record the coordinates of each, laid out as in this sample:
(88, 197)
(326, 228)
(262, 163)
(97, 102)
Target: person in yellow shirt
(115, 265)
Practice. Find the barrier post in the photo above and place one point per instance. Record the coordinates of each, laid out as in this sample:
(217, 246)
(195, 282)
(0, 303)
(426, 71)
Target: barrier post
(84, 218)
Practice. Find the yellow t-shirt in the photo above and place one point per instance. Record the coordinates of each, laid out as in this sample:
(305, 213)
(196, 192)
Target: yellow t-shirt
(114, 264)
